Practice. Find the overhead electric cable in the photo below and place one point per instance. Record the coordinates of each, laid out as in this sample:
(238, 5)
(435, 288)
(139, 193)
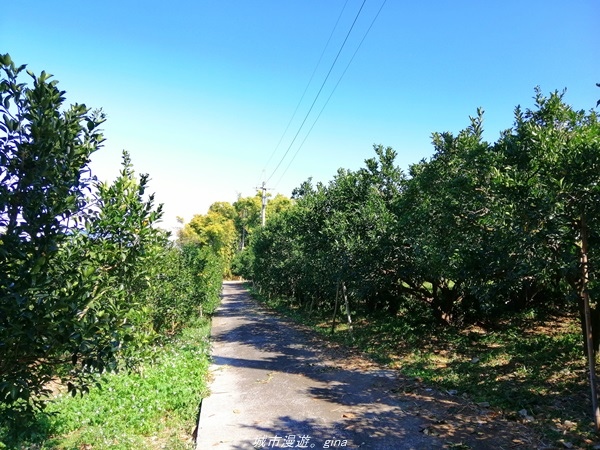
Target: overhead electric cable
(307, 86)
(318, 93)
(331, 94)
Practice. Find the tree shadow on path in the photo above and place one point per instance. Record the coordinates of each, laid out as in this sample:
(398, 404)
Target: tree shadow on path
(368, 406)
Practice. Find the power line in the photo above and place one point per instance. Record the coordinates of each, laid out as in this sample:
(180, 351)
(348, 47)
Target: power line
(331, 94)
(318, 93)
(307, 86)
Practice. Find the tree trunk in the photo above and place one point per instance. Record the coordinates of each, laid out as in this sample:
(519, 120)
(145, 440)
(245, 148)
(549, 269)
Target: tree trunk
(589, 338)
(443, 299)
(349, 318)
(337, 296)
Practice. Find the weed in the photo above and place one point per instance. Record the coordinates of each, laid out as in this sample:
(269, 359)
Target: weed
(154, 407)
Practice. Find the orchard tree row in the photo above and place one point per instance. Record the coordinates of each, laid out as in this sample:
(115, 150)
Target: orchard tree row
(478, 231)
(87, 279)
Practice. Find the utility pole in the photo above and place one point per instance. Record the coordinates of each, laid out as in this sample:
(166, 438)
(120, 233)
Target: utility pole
(243, 244)
(263, 211)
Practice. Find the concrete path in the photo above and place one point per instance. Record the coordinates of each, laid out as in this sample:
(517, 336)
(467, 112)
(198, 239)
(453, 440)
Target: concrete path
(273, 388)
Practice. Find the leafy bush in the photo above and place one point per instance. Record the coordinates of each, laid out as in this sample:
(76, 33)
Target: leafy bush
(134, 409)
(87, 280)
(44, 152)
(188, 284)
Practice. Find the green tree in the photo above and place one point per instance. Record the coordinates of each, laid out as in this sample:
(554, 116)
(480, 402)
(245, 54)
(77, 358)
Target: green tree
(549, 178)
(277, 205)
(247, 218)
(224, 209)
(214, 230)
(123, 246)
(247, 223)
(333, 234)
(186, 284)
(44, 153)
(442, 216)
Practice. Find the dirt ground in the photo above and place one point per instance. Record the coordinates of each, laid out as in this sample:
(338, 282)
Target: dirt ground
(462, 423)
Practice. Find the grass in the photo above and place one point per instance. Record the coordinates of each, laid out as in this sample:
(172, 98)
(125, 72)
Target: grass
(532, 362)
(153, 408)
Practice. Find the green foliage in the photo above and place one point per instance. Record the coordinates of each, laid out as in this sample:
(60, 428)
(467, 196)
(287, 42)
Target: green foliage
(478, 231)
(248, 223)
(155, 405)
(87, 280)
(122, 248)
(226, 230)
(475, 234)
(44, 150)
(214, 231)
(243, 263)
(276, 205)
(247, 218)
(340, 232)
(206, 270)
(550, 200)
(180, 291)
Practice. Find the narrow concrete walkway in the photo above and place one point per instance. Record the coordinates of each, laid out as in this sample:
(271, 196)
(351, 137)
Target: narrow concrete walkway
(272, 388)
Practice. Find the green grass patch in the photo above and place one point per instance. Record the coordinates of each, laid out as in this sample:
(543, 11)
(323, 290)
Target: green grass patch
(151, 408)
(508, 367)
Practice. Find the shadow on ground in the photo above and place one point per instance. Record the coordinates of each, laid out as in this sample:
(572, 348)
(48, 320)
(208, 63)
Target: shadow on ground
(372, 409)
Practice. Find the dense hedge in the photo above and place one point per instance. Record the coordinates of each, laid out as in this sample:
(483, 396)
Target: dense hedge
(476, 232)
(87, 279)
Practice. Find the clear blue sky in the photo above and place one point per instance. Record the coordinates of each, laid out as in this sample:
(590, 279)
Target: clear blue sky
(200, 92)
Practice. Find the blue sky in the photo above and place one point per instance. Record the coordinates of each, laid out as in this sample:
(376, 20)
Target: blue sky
(200, 92)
